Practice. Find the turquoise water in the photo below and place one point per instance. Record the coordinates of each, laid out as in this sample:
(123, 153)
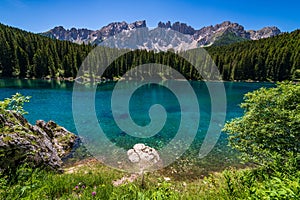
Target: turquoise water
(52, 100)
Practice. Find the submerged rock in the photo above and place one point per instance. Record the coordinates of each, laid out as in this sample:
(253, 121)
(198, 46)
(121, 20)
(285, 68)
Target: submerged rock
(40, 145)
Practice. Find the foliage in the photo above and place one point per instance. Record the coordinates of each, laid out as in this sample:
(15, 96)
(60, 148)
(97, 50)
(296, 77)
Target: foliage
(28, 55)
(257, 184)
(270, 127)
(15, 103)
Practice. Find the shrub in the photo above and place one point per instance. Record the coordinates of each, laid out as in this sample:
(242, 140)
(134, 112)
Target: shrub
(270, 127)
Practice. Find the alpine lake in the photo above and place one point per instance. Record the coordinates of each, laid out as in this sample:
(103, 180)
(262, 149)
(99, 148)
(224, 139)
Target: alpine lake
(52, 100)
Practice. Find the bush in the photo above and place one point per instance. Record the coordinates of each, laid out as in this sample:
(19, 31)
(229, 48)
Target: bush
(270, 127)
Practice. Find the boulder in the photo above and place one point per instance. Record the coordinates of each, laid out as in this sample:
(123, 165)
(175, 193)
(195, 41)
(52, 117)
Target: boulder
(143, 156)
(40, 145)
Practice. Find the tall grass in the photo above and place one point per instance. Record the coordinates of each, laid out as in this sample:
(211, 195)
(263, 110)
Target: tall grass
(95, 182)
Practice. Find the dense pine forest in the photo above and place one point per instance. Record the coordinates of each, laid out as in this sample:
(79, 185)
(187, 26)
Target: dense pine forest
(276, 58)
(28, 55)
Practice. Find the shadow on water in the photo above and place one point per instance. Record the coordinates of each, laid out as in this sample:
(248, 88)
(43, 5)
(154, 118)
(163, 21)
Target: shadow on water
(35, 84)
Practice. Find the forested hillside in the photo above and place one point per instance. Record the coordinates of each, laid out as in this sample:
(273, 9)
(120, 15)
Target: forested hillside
(28, 55)
(275, 58)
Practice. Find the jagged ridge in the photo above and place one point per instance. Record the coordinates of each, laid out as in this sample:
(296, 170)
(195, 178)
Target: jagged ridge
(205, 36)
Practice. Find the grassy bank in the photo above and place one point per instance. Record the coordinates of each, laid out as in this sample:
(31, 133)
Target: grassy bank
(92, 180)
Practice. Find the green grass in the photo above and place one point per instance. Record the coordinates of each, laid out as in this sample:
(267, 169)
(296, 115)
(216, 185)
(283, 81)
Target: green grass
(94, 177)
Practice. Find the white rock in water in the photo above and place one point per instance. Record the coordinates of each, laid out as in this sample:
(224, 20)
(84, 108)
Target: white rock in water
(143, 155)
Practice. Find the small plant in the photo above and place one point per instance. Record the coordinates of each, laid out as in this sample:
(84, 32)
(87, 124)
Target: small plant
(79, 189)
(15, 103)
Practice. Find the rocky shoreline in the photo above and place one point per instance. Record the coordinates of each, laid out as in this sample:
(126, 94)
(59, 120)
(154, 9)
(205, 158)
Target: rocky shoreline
(42, 145)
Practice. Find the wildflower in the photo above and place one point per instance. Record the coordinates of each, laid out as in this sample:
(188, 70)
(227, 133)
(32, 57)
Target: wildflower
(83, 187)
(93, 193)
(76, 187)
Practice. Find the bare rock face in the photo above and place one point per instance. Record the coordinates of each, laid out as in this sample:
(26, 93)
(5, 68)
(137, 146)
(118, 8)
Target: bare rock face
(265, 32)
(73, 35)
(177, 26)
(44, 144)
(164, 25)
(208, 35)
(205, 36)
(92, 36)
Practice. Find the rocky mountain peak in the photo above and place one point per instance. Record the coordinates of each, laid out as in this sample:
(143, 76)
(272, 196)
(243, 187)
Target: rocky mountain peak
(229, 25)
(178, 26)
(94, 36)
(59, 28)
(265, 32)
(117, 27)
(203, 37)
(113, 28)
(164, 25)
(138, 24)
(73, 35)
(209, 34)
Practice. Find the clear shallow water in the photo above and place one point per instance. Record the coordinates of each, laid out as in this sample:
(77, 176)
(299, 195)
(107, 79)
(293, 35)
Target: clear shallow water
(52, 100)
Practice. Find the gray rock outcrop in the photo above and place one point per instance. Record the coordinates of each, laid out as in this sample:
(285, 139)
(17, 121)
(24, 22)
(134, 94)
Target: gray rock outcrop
(40, 145)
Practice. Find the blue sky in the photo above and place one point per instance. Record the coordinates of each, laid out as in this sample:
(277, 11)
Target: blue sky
(42, 15)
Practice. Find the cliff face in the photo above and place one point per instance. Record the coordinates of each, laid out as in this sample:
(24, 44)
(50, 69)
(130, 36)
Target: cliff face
(177, 26)
(205, 36)
(92, 36)
(43, 144)
(264, 33)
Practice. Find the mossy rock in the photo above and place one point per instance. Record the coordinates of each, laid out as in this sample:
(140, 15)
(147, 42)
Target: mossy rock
(41, 144)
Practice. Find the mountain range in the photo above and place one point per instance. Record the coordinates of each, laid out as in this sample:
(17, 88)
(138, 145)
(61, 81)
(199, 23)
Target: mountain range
(219, 34)
(28, 55)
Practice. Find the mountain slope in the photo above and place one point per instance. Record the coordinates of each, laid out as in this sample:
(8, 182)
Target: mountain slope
(89, 36)
(275, 58)
(228, 38)
(28, 55)
(205, 36)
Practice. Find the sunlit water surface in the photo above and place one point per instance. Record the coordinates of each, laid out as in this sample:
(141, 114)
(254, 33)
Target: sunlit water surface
(52, 100)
